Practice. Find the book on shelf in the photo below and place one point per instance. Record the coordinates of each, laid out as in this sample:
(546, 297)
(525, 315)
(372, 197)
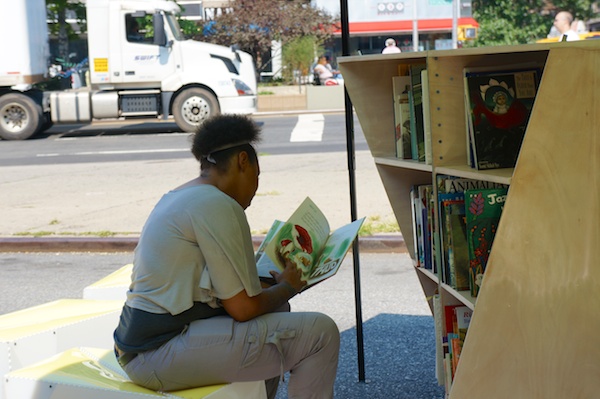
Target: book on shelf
(498, 105)
(463, 319)
(438, 317)
(454, 255)
(415, 97)
(462, 316)
(458, 318)
(457, 252)
(306, 239)
(450, 318)
(421, 197)
(400, 86)
(416, 228)
(483, 210)
(453, 184)
(426, 117)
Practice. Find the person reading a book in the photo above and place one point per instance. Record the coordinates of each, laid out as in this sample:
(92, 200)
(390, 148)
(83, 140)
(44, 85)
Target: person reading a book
(196, 312)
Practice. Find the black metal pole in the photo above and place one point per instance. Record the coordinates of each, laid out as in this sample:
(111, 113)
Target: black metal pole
(351, 172)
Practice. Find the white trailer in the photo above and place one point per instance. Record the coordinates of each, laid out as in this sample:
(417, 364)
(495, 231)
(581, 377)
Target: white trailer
(134, 72)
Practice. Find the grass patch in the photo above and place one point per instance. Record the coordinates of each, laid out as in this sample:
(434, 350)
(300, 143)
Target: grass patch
(265, 93)
(268, 193)
(102, 233)
(373, 225)
(34, 234)
(54, 222)
(376, 225)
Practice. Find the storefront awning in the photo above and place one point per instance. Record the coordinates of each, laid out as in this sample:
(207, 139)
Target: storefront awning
(390, 27)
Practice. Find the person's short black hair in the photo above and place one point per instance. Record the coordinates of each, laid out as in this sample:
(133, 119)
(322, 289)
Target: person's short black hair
(222, 136)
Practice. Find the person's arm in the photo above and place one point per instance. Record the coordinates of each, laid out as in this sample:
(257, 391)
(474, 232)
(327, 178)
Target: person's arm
(243, 307)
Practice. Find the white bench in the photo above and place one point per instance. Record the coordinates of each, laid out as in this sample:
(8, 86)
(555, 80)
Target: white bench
(33, 334)
(113, 286)
(91, 373)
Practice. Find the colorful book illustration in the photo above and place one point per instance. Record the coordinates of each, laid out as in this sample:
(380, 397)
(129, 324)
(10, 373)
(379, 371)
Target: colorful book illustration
(483, 211)
(452, 221)
(305, 239)
(498, 105)
(400, 85)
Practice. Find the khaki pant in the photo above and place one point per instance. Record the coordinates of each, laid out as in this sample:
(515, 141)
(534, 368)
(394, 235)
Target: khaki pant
(220, 350)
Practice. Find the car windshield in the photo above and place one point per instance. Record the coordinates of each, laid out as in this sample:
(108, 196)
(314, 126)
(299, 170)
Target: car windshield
(175, 28)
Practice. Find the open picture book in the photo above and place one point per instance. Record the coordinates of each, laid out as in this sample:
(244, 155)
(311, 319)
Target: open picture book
(306, 239)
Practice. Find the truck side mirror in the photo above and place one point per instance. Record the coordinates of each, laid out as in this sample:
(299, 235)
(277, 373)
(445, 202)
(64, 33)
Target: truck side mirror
(160, 36)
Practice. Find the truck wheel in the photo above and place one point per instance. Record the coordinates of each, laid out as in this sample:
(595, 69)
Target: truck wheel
(192, 106)
(20, 117)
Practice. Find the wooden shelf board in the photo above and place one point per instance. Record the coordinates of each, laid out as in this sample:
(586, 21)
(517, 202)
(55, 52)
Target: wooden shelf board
(463, 296)
(502, 176)
(428, 273)
(403, 163)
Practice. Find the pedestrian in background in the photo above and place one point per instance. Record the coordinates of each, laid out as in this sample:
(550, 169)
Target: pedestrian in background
(390, 47)
(562, 22)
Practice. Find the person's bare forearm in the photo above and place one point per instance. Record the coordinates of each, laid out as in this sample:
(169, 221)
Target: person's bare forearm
(244, 308)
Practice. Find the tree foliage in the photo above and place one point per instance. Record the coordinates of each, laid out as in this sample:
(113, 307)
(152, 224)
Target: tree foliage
(57, 12)
(299, 54)
(254, 24)
(521, 21)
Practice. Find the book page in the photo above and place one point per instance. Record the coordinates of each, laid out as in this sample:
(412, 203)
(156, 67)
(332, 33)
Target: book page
(264, 264)
(334, 252)
(300, 239)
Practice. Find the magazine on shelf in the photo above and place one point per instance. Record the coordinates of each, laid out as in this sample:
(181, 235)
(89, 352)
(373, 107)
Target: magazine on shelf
(306, 239)
(498, 105)
(483, 210)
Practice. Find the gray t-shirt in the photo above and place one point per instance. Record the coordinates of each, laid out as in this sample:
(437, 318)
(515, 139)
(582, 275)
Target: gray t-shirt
(196, 246)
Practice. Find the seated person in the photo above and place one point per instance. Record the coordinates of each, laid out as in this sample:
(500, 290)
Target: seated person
(196, 312)
(327, 76)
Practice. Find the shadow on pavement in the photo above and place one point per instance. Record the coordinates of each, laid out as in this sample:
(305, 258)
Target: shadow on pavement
(399, 360)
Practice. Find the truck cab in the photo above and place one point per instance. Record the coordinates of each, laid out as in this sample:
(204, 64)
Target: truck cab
(142, 66)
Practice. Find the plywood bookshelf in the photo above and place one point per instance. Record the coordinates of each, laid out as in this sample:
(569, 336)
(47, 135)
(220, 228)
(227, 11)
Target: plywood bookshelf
(536, 319)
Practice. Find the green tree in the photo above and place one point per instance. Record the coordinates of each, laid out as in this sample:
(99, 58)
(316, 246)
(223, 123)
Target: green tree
(254, 24)
(503, 22)
(299, 54)
(57, 12)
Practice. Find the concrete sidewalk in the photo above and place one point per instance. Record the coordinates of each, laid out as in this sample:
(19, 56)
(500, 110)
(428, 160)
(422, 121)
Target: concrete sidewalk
(76, 207)
(73, 206)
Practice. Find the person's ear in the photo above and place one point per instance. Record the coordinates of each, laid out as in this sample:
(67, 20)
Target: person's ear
(243, 160)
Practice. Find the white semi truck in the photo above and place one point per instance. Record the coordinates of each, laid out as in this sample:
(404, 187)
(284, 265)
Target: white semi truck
(133, 71)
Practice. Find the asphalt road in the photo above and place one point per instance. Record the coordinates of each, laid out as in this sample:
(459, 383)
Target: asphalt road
(142, 140)
(398, 331)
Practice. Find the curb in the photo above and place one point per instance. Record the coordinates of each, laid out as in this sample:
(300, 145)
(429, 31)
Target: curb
(392, 243)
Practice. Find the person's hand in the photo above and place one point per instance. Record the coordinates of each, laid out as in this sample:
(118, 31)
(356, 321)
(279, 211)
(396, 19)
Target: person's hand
(291, 274)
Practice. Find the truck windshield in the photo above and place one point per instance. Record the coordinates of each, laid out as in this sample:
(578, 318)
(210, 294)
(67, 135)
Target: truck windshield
(174, 25)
